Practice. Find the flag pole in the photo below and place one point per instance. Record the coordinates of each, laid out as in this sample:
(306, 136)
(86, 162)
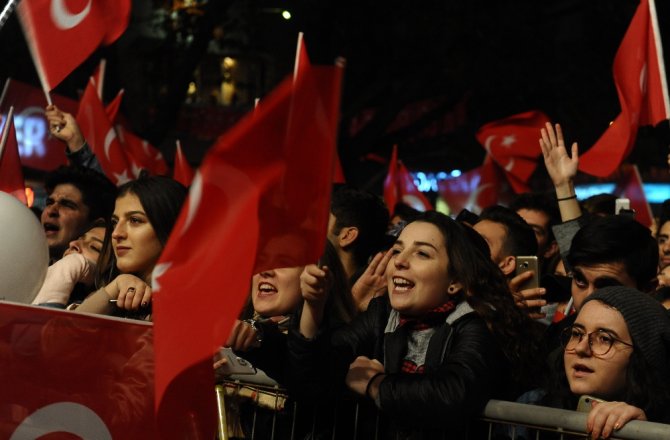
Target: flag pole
(659, 56)
(5, 131)
(7, 11)
(4, 92)
(298, 49)
(33, 51)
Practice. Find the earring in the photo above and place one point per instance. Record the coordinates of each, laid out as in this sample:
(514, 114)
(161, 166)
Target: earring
(452, 289)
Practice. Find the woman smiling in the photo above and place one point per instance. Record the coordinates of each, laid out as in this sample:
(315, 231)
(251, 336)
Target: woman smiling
(432, 352)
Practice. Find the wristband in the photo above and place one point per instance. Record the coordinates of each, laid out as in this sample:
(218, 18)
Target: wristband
(369, 386)
(574, 196)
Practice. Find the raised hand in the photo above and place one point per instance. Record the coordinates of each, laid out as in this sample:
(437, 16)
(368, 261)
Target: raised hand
(63, 126)
(561, 168)
(373, 281)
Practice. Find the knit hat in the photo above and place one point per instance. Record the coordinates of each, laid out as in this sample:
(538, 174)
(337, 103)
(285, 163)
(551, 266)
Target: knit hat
(648, 322)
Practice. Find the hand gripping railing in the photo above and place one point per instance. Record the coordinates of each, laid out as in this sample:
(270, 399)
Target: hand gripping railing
(564, 421)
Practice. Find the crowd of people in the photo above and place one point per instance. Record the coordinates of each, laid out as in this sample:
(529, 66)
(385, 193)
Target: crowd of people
(422, 317)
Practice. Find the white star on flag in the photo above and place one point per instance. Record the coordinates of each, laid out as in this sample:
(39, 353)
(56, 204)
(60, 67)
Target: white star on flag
(159, 270)
(122, 178)
(508, 140)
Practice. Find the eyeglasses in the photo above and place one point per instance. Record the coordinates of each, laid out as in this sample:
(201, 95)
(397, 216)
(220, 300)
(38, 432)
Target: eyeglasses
(600, 341)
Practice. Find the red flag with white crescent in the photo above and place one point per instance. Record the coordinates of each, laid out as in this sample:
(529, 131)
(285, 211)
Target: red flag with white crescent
(61, 34)
(259, 200)
(641, 82)
(512, 142)
(101, 136)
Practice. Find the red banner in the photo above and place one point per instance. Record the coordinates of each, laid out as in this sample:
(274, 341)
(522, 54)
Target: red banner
(64, 372)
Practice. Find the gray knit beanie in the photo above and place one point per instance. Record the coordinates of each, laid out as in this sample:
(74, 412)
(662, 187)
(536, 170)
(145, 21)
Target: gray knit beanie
(648, 322)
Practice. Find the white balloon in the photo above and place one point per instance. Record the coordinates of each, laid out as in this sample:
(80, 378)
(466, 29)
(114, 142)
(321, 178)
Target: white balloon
(24, 253)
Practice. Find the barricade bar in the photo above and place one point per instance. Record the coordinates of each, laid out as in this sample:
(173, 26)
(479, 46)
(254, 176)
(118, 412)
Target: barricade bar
(565, 420)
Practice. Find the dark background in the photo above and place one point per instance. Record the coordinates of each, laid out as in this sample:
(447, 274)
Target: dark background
(460, 63)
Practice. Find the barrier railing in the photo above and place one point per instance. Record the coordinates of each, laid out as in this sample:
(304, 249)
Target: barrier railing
(500, 419)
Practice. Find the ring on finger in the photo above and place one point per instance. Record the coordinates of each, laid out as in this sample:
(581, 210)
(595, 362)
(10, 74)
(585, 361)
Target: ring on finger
(131, 290)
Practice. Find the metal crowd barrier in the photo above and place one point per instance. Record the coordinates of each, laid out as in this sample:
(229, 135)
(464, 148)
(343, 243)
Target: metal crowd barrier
(500, 419)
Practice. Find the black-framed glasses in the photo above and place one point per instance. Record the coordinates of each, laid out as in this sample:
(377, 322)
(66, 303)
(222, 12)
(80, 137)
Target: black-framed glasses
(600, 341)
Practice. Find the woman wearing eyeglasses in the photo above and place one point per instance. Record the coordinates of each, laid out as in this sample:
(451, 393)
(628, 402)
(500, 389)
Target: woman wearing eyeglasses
(617, 351)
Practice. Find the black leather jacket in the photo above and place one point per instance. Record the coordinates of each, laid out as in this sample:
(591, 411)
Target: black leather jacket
(464, 368)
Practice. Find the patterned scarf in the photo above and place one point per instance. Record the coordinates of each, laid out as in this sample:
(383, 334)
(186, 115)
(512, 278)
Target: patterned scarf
(414, 324)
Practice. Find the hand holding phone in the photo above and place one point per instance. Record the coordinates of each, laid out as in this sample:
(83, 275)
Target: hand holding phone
(528, 264)
(586, 403)
(227, 363)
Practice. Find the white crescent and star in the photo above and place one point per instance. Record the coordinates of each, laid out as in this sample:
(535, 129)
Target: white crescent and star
(109, 138)
(122, 178)
(159, 270)
(64, 19)
(194, 199)
(472, 200)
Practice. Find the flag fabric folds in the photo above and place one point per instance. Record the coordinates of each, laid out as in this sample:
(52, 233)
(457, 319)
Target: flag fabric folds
(399, 186)
(630, 186)
(476, 189)
(259, 200)
(141, 154)
(78, 375)
(101, 136)
(61, 37)
(183, 172)
(640, 79)
(11, 174)
(512, 143)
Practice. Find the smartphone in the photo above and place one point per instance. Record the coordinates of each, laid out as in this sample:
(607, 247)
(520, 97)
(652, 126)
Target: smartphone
(586, 403)
(622, 205)
(234, 364)
(525, 263)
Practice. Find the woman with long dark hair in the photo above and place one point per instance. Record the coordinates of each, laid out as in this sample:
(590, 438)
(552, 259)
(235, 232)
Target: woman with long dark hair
(145, 212)
(432, 352)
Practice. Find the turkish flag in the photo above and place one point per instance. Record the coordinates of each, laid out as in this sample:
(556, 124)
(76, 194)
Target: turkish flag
(639, 75)
(11, 174)
(630, 187)
(474, 190)
(61, 34)
(399, 186)
(38, 149)
(101, 136)
(99, 78)
(183, 172)
(302, 65)
(78, 375)
(259, 200)
(512, 142)
(141, 153)
(112, 109)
